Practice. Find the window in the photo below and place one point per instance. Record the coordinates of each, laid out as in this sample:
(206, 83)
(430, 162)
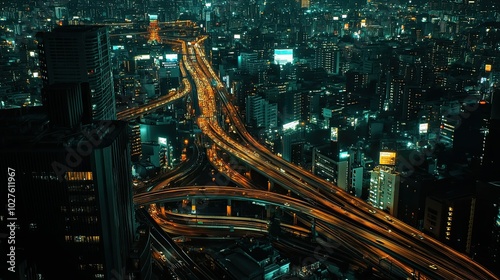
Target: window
(78, 176)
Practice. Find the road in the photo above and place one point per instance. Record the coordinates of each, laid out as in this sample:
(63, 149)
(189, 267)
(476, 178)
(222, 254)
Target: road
(425, 255)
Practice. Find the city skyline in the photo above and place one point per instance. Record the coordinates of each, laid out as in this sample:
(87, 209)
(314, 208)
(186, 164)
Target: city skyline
(369, 124)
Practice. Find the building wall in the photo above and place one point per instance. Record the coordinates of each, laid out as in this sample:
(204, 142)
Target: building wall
(75, 202)
(384, 188)
(80, 54)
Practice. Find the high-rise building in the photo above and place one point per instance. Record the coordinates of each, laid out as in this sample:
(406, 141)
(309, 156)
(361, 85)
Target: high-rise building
(135, 141)
(294, 105)
(80, 53)
(490, 161)
(486, 231)
(68, 104)
(330, 165)
(169, 73)
(412, 103)
(292, 141)
(327, 56)
(74, 204)
(384, 188)
(252, 63)
(449, 217)
(413, 190)
(261, 113)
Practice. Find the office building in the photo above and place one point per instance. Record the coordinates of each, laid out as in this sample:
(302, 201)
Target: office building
(413, 191)
(135, 141)
(79, 53)
(74, 196)
(68, 104)
(292, 142)
(327, 56)
(449, 217)
(169, 73)
(261, 113)
(328, 164)
(490, 156)
(486, 232)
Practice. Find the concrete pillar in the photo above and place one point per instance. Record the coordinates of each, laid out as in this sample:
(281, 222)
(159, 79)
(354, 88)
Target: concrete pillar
(228, 208)
(193, 206)
(313, 228)
(270, 185)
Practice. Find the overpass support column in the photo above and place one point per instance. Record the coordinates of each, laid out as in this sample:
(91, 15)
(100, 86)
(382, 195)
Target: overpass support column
(228, 208)
(268, 211)
(313, 229)
(270, 185)
(193, 206)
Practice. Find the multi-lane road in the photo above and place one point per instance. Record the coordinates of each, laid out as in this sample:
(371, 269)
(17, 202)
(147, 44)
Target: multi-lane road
(370, 235)
(408, 249)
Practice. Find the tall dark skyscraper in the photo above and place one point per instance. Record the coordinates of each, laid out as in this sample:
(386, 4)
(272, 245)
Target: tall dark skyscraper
(73, 191)
(79, 53)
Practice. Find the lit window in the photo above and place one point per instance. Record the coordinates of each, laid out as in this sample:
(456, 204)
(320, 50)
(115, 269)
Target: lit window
(78, 176)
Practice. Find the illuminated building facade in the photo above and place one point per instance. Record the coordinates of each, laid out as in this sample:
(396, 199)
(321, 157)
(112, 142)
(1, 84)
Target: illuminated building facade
(327, 56)
(135, 141)
(384, 188)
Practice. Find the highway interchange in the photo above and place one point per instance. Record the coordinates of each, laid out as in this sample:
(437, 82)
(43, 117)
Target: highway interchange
(371, 235)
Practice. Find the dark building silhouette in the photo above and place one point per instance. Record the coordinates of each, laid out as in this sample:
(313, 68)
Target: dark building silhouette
(449, 213)
(73, 191)
(486, 232)
(68, 103)
(413, 191)
(80, 53)
(491, 152)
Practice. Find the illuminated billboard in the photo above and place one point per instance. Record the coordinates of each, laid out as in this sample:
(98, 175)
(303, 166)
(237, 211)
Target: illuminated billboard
(283, 56)
(171, 57)
(334, 134)
(290, 125)
(142, 57)
(162, 141)
(423, 128)
(343, 155)
(387, 158)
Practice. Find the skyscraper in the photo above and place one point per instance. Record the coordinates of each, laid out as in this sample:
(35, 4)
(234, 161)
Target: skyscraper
(74, 204)
(79, 53)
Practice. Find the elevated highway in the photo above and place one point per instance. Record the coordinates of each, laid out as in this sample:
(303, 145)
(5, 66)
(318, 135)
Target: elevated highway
(408, 250)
